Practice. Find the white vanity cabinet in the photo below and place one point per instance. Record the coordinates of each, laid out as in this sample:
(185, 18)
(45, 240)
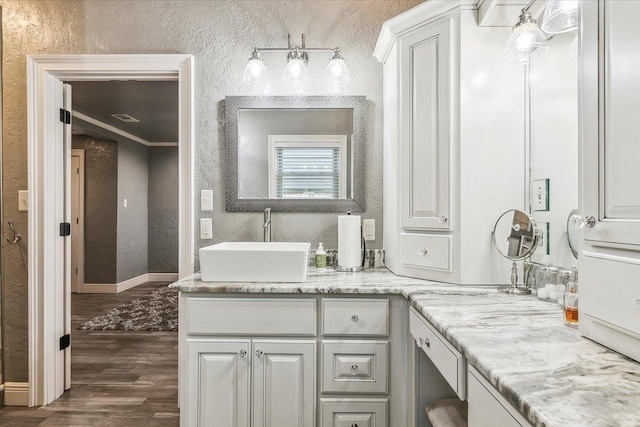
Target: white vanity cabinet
(448, 174)
(277, 361)
(610, 259)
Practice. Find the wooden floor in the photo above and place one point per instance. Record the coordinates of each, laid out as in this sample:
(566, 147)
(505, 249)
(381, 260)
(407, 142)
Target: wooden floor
(118, 378)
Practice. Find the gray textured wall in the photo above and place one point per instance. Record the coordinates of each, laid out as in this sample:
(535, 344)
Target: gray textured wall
(163, 210)
(133, 184)
(100, 207)
(220, 35)
(254, 128)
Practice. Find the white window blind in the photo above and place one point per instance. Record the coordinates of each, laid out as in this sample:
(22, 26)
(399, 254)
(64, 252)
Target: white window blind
(307, 166)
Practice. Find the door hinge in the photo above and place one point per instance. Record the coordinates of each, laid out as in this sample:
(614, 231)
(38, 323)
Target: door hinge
(65, 116)
(65, 229)
(65, 341)
(76, 270)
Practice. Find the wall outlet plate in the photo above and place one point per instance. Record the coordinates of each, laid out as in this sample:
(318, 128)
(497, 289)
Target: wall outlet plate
(206, 228)
(369, 229)
(540, 195)
(23, 200)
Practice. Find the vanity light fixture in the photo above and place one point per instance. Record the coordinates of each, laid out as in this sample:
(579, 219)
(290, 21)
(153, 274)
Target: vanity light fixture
(560, 16)
(527, 41)
(296, 74)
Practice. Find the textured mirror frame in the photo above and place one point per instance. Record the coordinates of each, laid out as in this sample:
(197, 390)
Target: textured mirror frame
(233, 104)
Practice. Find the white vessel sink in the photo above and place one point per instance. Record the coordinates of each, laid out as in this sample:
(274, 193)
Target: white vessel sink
(255, 262)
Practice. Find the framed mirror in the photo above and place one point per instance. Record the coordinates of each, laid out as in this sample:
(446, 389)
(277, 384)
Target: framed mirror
(295, 153)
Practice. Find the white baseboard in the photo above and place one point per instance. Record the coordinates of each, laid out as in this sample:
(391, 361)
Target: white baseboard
(114, 288)
(16, 394)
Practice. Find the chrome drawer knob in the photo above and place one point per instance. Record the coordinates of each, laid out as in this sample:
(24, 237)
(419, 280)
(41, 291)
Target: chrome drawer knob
(442, 219)
(355, 370)
(355, 319)
(354, 425)
(243, 354)
(579, 221)
(423, 252)
(259, 354)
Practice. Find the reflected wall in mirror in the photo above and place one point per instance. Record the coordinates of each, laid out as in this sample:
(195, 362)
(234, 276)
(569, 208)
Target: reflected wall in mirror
(295, 154)
(553, 97)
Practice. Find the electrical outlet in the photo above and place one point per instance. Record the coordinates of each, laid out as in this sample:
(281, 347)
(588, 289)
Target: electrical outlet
(23, 200)
(369, 229)
(540, 195)
(206, 228)
(206, 200)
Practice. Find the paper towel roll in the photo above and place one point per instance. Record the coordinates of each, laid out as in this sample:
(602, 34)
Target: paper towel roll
(349, 254)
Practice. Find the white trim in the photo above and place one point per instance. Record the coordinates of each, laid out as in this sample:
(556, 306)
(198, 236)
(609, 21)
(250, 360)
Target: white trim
(16, 394)
(42, 72)
(112, 129)
(114, 288)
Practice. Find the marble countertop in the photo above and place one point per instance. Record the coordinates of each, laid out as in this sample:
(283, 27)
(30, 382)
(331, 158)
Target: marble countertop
(547, 370)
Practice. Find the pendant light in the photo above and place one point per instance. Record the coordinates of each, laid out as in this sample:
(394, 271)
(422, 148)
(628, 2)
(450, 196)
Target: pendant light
(255, 72)
(337, 72)
(295, 73)
(527, 42)
(560, 16)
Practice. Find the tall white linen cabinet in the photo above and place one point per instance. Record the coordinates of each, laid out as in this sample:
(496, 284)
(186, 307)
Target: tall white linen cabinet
(454, 142)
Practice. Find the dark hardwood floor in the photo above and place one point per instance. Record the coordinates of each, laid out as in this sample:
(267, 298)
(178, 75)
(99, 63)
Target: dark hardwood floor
(118, 378)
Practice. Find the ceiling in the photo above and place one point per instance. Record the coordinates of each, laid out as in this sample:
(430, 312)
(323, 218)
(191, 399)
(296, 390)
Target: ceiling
(154, 103)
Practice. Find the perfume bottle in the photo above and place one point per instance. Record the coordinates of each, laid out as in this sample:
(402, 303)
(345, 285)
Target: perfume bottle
(570, 304)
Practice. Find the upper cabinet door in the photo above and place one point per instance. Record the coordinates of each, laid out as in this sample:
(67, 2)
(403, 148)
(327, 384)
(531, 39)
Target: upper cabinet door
(610, 145)
(425, 137)
(284, 383)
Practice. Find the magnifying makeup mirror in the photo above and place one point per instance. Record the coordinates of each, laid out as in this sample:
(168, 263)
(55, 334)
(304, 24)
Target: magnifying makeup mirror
(574, 232)
(515, 237)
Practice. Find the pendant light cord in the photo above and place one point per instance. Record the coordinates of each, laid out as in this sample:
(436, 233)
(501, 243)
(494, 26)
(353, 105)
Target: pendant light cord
(526, 8)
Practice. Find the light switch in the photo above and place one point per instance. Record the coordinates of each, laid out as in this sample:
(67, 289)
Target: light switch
(23, 200)
(540, 195)
(206, 200)
(206, 228)
(369, 229)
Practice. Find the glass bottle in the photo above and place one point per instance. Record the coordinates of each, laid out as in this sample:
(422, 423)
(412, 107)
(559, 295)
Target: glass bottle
(570, 305)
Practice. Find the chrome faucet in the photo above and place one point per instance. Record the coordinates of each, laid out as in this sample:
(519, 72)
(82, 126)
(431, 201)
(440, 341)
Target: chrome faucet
(267, 225)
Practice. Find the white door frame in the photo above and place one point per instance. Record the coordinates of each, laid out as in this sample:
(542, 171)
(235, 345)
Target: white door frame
(42, 71)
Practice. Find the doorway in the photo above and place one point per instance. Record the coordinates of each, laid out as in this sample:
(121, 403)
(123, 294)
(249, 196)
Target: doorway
(50, 180)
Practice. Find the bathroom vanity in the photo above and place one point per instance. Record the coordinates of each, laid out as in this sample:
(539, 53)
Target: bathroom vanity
(373, 349)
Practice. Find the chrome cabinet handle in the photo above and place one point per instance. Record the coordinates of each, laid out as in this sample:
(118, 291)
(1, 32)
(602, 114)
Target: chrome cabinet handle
(424, 341)
(355, 319)
(423, 252)
(442, 219)
(243, 354)
(579, 221)
(354, 370)
(354, 425)
(259, 354)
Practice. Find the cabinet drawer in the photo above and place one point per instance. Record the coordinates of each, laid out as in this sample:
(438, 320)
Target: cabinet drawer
(426, 251)
(353, 413)
(355, 317)
(354, 366)
(450, 363)
(251, 316)
(487, 407)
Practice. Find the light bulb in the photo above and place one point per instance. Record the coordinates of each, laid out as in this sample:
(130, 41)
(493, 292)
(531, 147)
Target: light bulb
(295, 73)
(526, 43)
(255, 72)
(560, 16)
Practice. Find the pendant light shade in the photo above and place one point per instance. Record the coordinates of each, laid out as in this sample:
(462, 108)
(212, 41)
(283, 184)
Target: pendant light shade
(336, 73)
(560, 16)
(526, 43)
(255, 72)
(295, 73)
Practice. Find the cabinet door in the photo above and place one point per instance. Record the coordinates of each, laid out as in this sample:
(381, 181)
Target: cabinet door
(485, 409)
(425, 86)
(218, 383)
(609, 297)
(284, 383)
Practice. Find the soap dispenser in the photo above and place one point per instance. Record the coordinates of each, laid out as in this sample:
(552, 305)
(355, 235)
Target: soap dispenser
(321, 257)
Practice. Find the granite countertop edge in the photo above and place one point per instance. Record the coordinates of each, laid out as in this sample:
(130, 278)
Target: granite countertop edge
(434, 300)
